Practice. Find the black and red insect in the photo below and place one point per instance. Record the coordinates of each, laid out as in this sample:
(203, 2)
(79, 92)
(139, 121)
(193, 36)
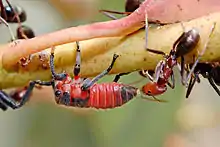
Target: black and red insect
(164, 69)
(86, 93)
(78, 92)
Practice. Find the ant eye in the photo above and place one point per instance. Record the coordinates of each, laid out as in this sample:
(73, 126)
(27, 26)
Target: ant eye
(57, 93)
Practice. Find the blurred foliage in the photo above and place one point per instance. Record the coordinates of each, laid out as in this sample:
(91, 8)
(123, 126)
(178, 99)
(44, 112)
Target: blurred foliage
(139, 123)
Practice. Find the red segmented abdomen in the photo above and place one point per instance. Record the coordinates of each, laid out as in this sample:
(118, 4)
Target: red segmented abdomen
(110, 95)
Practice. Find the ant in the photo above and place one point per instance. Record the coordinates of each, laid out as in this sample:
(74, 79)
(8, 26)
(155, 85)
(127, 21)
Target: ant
(7, 101)
(210, 71)
(15, 14)
(24, 32)
(29, 33)
(12, 14)
(164, 69)
(79, 92)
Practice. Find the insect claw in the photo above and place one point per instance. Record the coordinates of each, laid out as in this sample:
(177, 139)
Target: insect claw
(115, 56)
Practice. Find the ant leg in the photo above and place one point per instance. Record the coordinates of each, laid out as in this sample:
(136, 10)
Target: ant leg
(182, 70)
(108, 13)
(118, 76)
(158, 70)
(146, 74)
(191, 84)
(3, 106)
(54, 74)
(9, 28)
(173, 82)
(115, 12)
(88, 83)
(11, 103)
(76, 69)
(156, 51)
(150, 99)
(3, 12)
(146, 30)
(213, 85)
(200, 54)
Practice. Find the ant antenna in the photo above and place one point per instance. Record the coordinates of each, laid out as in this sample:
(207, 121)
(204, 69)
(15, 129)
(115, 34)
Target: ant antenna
(201, 54)
(146, 30)
(9, 28)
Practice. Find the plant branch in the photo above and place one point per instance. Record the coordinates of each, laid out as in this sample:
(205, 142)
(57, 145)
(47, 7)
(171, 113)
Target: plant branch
(120, 27)
(97, 53)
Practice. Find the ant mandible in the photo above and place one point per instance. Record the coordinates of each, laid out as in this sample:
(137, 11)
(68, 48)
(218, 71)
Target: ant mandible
(164, 69)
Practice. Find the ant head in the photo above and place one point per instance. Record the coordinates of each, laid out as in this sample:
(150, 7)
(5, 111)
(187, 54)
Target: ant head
(28, 32)
(152, 89)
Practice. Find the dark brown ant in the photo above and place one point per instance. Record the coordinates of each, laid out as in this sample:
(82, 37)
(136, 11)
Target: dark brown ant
(12, 14)
(210, 71)
(29, 33)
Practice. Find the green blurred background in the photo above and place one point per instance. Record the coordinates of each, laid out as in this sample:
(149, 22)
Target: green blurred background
(139, 123)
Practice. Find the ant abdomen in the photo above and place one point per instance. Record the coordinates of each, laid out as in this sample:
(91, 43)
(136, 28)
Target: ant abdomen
(187, 42)
(27, 31)
(132, 5)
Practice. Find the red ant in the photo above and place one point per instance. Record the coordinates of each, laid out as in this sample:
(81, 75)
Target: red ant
(164, 69)
(78, 92)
